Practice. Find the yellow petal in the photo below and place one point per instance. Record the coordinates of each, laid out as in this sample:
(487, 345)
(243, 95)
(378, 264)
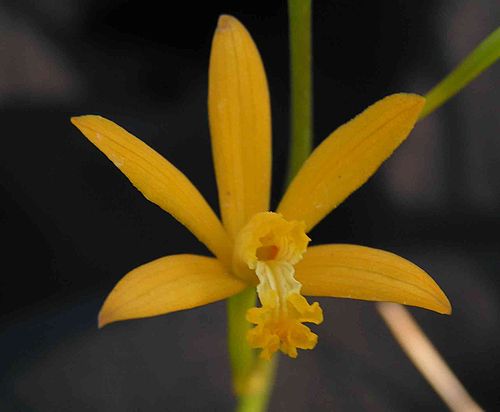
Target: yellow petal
(240, 124)
(166, 285)
(158, 180)
(348, 157)
(358, 272)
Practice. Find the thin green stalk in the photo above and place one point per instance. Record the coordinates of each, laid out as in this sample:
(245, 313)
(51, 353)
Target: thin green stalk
(262, 384)
(482, 57)
(301, 109)
(252, 377)
(241, 356)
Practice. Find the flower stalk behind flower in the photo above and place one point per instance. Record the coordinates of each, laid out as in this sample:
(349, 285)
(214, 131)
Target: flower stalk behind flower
(482, 57)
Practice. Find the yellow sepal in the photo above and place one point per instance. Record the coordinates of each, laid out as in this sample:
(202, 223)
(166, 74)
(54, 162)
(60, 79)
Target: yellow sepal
(158, 180)
(166, 285)
(358, 272)
(240, 124)
(348, 157)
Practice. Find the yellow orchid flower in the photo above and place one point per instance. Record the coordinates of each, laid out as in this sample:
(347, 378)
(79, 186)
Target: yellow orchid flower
(253, 246)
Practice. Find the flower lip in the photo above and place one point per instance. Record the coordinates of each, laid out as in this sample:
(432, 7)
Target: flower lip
(266, 249)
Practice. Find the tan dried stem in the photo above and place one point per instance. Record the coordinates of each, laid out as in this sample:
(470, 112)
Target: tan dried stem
(426, 358)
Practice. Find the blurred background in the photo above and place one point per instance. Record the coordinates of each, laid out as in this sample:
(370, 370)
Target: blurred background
(72, 225)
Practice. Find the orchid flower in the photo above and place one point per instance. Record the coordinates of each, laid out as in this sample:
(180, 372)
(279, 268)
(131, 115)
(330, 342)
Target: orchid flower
(253, 246)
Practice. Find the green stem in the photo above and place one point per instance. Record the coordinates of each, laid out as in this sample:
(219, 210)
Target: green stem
(482, 57)
(242, 357)
(252, 377)
(301, 110)
(262, 379)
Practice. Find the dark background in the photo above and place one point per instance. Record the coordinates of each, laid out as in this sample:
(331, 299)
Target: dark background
(71, 225)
